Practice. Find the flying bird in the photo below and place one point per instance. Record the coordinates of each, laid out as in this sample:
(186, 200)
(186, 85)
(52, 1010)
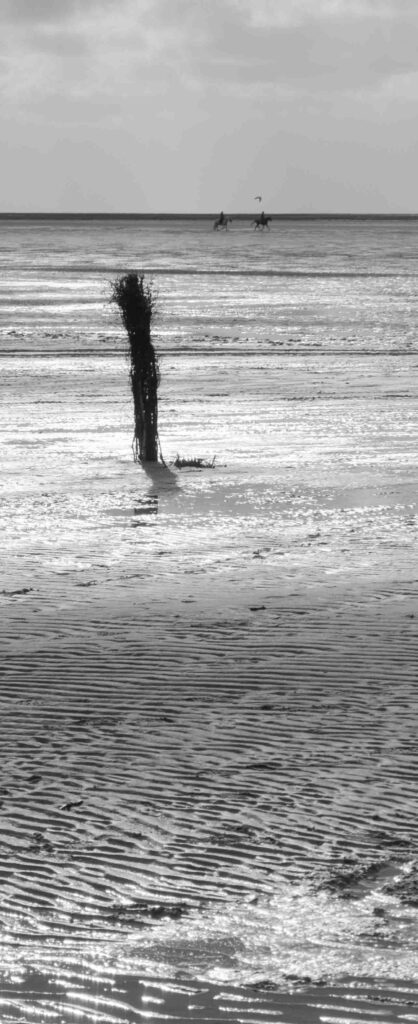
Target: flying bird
(259, 198)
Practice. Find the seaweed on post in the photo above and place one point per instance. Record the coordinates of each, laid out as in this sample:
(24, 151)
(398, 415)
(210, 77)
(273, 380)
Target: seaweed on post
(136, 303)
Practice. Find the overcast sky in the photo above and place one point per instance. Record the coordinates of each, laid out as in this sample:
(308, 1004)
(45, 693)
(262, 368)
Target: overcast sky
(198, 105)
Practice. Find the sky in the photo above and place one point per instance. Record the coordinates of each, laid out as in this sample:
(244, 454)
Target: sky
(200, 105)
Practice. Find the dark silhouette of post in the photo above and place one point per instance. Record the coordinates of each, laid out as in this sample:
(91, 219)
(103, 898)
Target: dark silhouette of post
(136, 304)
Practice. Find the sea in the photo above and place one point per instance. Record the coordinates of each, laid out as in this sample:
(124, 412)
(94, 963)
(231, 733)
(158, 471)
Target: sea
(208, 690)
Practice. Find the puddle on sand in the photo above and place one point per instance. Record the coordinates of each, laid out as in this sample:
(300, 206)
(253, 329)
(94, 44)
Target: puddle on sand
(298, 956)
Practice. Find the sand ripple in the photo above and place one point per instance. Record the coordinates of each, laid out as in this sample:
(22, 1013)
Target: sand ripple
(161, 815)
(208, 691)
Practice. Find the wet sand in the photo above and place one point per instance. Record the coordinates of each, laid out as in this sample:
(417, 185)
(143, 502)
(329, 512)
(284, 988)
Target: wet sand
(208, 698)
(216, 836)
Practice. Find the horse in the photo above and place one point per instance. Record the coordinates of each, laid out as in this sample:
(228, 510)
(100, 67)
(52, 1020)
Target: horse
(222, 222)
(261, 222)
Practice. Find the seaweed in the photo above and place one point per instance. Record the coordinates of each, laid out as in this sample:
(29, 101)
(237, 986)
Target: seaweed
(193, 463)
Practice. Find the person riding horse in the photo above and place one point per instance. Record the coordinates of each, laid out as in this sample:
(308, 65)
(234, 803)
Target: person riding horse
(261, 222)
(222, 222)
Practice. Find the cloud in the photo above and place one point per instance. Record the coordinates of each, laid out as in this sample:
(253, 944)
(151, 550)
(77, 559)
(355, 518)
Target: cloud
(269, 13)
(304, 44)
(94, 47)
(91, 49)
(177, 104)
(41, 12)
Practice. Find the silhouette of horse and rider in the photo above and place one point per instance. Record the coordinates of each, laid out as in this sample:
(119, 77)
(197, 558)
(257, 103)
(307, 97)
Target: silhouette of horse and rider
(222, 222)
(261, 221)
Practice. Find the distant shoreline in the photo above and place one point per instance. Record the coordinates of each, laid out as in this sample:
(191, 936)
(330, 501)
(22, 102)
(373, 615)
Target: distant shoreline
(204, 216)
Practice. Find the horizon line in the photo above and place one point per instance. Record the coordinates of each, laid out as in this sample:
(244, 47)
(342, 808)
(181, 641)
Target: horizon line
(240, 215)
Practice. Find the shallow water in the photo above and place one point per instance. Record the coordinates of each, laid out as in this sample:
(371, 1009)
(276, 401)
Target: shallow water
(209, 762)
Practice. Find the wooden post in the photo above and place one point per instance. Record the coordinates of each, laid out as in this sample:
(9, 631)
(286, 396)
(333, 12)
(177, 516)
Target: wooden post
(136, 304)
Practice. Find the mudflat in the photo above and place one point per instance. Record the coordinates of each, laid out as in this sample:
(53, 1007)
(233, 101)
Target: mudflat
(208, 692)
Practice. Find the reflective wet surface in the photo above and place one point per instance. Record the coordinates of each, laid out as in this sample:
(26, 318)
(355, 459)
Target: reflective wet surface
(208, 691)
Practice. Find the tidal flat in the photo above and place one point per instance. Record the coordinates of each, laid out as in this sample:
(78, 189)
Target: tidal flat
(208, 691)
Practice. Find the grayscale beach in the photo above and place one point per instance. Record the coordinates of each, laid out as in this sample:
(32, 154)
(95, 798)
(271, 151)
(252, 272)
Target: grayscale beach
(208, 793)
